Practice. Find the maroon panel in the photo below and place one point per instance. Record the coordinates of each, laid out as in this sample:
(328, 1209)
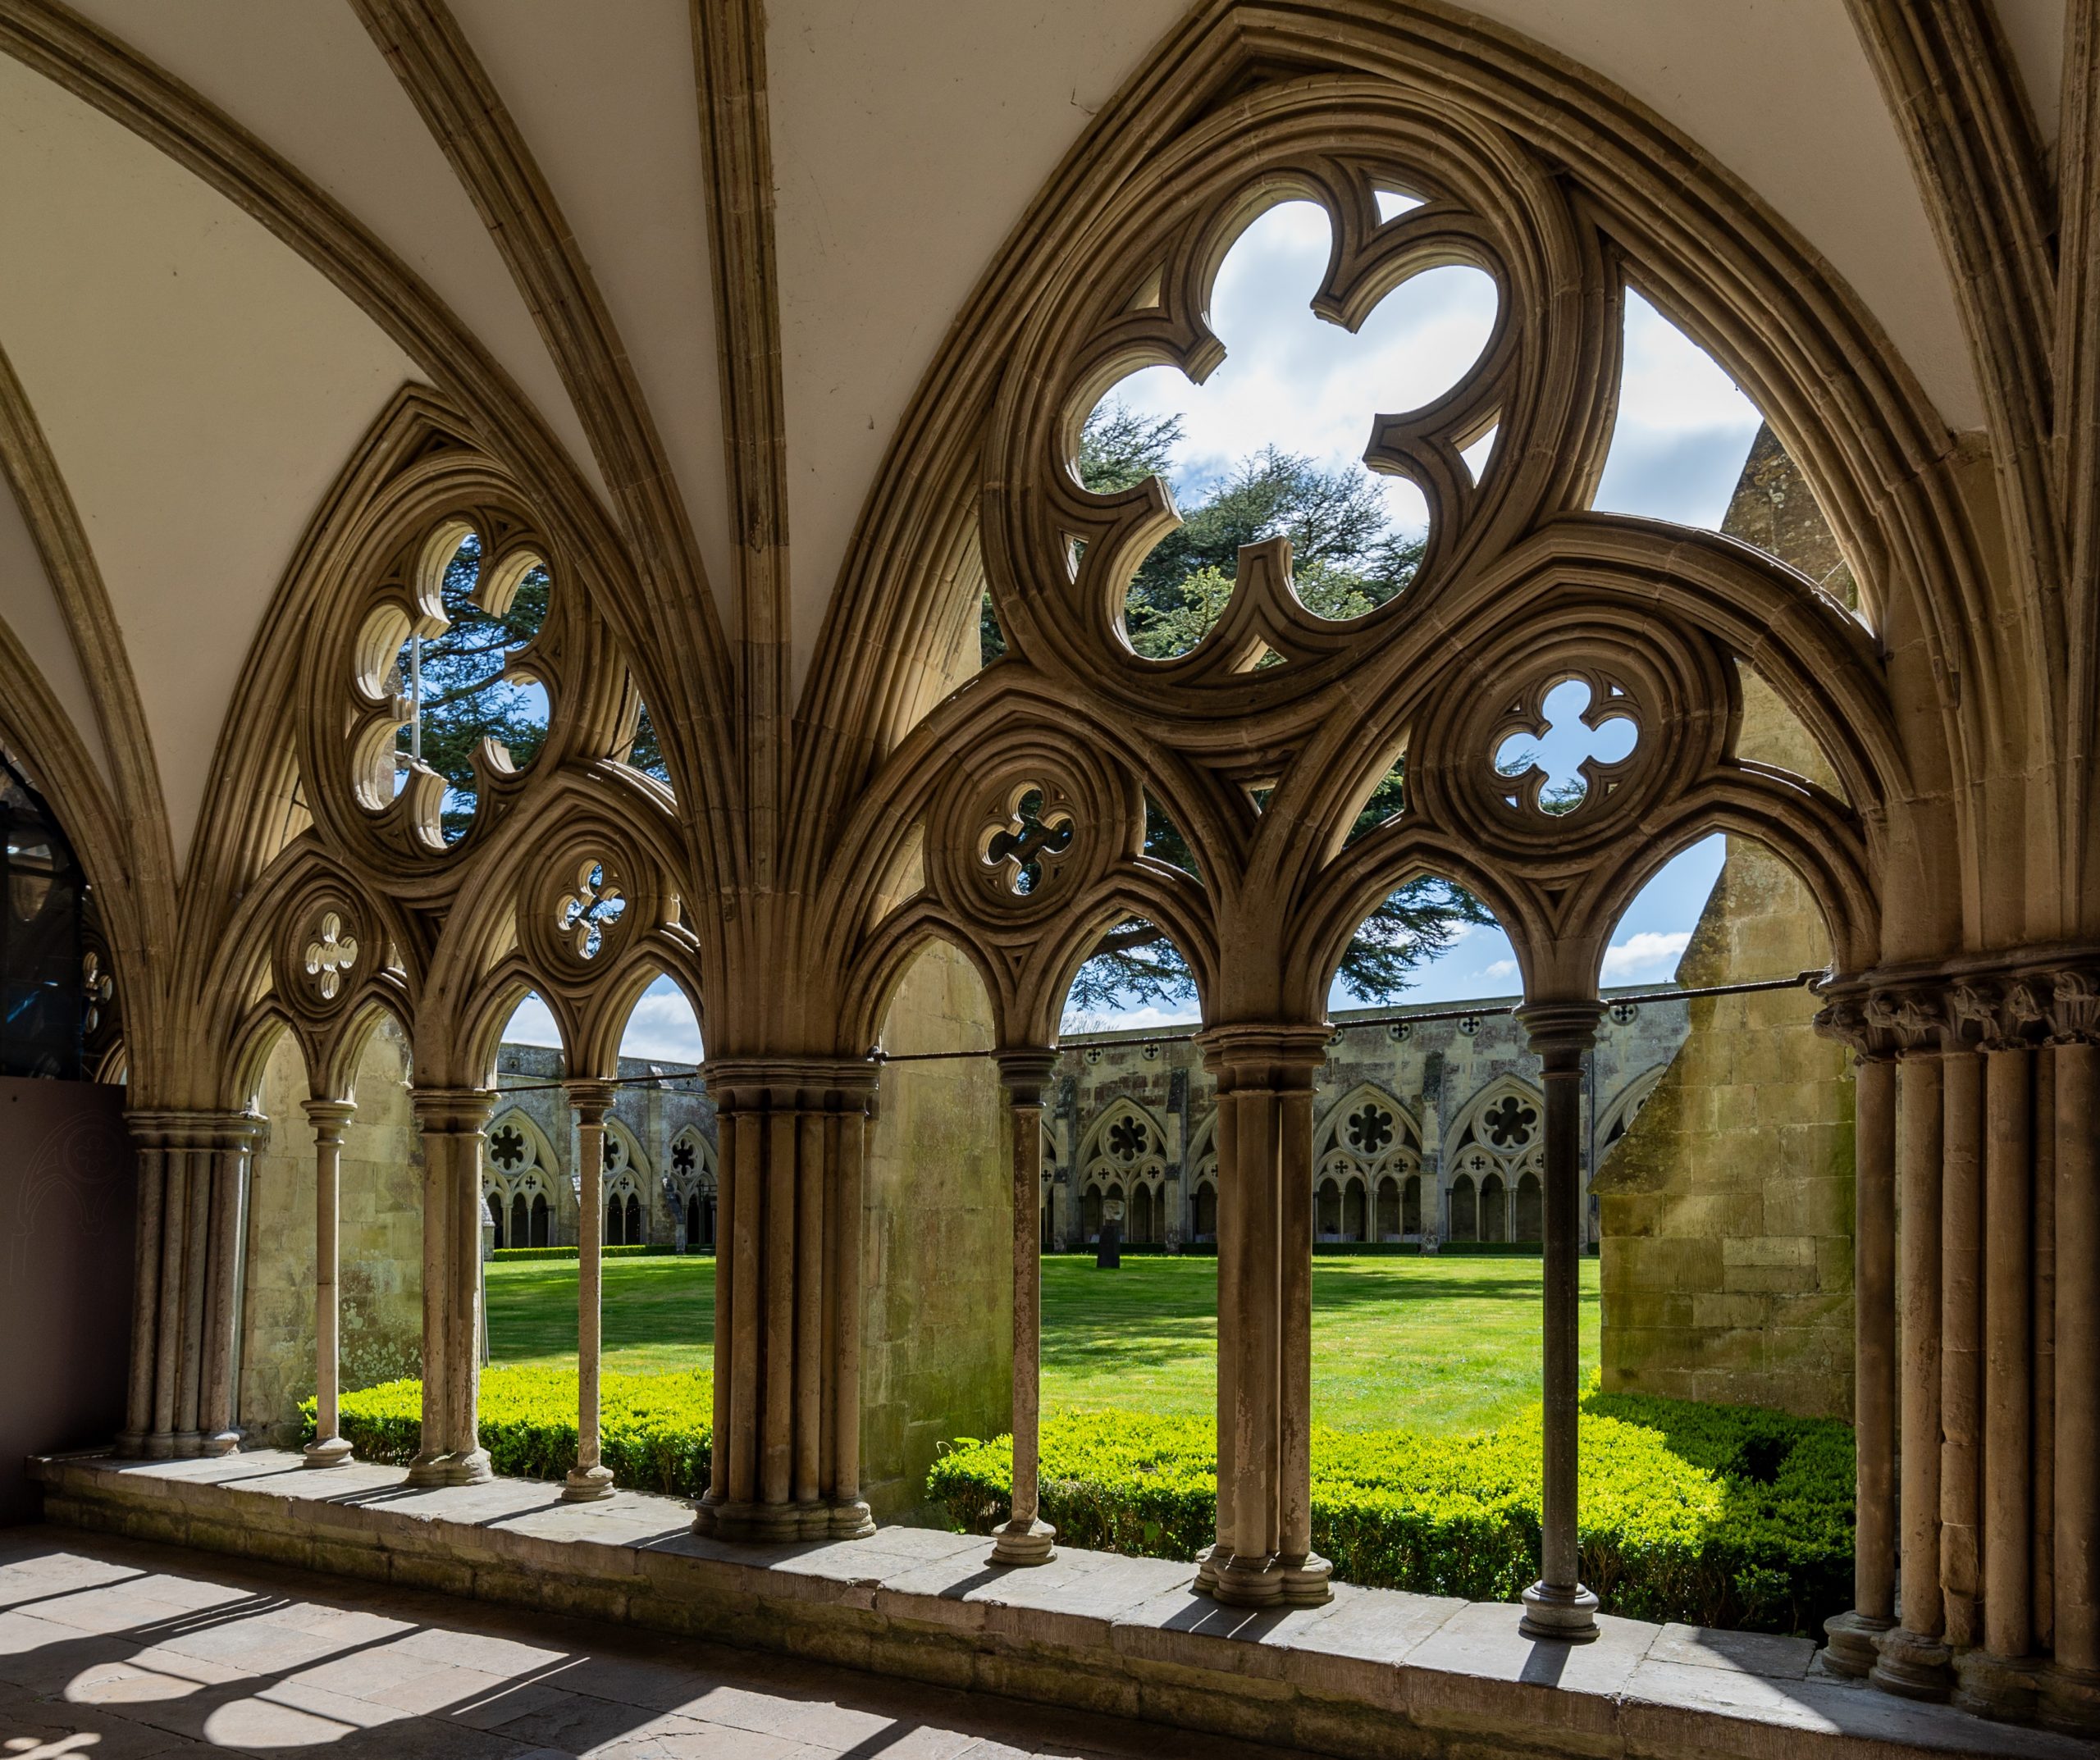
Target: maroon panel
(68, 1194)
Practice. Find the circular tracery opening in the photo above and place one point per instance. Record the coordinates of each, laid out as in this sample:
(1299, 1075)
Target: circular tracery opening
(461, 691)
(1580, 735)
(1271, 445)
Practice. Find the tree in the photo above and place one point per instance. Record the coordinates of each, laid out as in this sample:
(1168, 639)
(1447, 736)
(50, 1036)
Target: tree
(465, 696)
(1346, 559)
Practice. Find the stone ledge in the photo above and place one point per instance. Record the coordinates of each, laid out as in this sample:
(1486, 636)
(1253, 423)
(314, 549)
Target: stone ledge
(1375, 1673)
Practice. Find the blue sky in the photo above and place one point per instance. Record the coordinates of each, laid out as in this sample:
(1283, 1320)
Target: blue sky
(1290, 380)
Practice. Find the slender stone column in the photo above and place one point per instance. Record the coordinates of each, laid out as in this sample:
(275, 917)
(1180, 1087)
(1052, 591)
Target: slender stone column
(1961, 1220)
(229, 1155)
(1852, 1634)
(1914, 1660)
(168, 1342)
(145, 1295)
(332, 1122)
(2000, 1679)
(1025, 1540)
(787, 1460)
(1558, 1606)
(1263, 1553)
(2041, 1587)
(451, 1120)
(195, 1302)
(2072, 1686)
(590, 1479)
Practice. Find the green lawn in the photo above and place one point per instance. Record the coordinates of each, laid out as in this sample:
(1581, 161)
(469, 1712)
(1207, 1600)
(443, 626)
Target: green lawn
(1449, 1343)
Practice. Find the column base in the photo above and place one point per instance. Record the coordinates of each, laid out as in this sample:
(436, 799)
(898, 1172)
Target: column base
(1263, 1580)
(587, 1484)
(1853, 1650)
(159, 1445)
(333, 1453)
(130, 1446)
(189, 1444)
(2070, 1700)
(1996, 1687)
(1024, 1544)
(1559, 1614)
(469, 1467)
(779, 1524)
(1913, 1666)
(426, 1468)
(227, 1442)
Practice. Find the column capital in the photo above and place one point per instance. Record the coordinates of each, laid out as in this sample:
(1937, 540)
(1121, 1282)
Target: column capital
(1560, 1030)
(452, 1111)
(591, 1098)
(1276, 1056)
(331, 1119)
(197, 1129)
(2075, 1005)
(1999, 1014)
(1025, 1070)
(791, 1083)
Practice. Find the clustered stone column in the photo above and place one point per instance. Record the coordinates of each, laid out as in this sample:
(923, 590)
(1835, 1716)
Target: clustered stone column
(331, 1121)
(590, 1479)
(451, 1121)
(1996, 1078)
(787, 1460)
(1854, 1634)
(1558, 1606)
(1264, 1554)
(192, 1175)
(1024, 1540)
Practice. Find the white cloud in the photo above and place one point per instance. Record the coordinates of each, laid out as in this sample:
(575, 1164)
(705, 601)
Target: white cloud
(1647, 955)
(662, 1026)
(1499, 968)
(1127, 1020)
(532, 1024)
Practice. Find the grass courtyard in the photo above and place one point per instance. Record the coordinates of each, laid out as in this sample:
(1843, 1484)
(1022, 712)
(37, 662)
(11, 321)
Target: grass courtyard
(1444, 1344)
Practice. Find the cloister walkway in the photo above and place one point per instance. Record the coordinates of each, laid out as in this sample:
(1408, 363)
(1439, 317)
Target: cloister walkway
(1089, 1636)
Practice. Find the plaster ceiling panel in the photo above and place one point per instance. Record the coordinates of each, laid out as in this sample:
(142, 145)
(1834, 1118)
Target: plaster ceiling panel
(30, 611)
(907, 141)
(2035, 30)
(198, 384)
(604, 97)
(308, 81)
(1782, 93)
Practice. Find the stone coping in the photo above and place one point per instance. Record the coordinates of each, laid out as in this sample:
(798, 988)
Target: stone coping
(1376, 1672)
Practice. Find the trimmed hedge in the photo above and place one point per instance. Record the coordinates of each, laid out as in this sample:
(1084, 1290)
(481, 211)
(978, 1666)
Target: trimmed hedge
(1719, 1515)
(656, 1432)
(505, 1254)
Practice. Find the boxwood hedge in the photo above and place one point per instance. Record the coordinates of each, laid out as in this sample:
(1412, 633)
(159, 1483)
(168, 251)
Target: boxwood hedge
(1720, 1516)
(656, 1432)
(512, 1255)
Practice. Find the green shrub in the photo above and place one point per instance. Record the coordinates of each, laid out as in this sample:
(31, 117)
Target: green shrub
(509, 1255)
(656, 1432)
(1719, 1515)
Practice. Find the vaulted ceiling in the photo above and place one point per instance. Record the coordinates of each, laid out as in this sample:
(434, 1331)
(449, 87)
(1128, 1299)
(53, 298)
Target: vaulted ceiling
(198, 382)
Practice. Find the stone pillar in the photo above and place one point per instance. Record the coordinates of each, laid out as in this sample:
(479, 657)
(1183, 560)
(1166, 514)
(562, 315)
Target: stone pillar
(1025, 1540)
(1558, 1606)
(1853, 1634)
(451, 1120)
(330, 1119)
(145, 1294)
(1263, 1553)
(180, 1387)
(590, 1479)
(787, 1462)
(2000, 1679)
(2071, 1689)
(1961, 1220)
(1913, 1660)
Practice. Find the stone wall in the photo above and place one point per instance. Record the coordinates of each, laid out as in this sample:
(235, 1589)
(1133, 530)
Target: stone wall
(381, 1255)
(1727, 1208)
(936, 1276)
(1446, 1098)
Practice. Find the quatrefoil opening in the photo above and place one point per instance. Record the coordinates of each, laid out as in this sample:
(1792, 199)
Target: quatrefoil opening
(329, 956)
(590, 910)
(1020, 850)
(1509, 1122)
(1127, 1139)
(1587, 737)
(1370, 1130)
(507, 1148)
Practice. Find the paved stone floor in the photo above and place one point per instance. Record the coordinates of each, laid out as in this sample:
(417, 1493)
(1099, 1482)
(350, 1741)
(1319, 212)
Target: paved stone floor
(114, 1650)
